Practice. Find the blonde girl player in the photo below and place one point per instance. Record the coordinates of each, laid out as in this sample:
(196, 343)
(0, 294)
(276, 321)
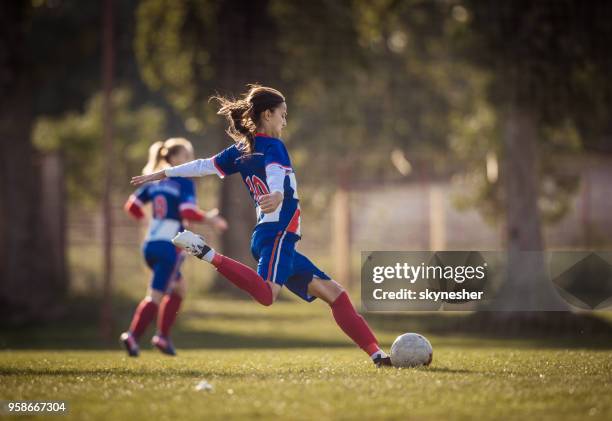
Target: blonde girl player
(173, 202)
(259, 155)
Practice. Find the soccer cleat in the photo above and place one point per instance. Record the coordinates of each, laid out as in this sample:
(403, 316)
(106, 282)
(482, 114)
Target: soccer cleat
(130, 344)
(192, 243)
(163, 344)
(383, 362)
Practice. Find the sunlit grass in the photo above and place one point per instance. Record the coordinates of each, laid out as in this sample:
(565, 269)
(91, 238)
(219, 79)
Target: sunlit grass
(291, 361)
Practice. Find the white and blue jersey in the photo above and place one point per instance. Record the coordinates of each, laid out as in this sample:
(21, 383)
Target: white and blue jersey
(168, 198)
(172, 199)
(267, 152)
(266, 169)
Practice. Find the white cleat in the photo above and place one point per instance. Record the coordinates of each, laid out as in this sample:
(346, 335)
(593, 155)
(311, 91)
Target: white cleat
(192, 243)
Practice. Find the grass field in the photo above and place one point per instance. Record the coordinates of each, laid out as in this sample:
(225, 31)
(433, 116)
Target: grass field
(290, 361)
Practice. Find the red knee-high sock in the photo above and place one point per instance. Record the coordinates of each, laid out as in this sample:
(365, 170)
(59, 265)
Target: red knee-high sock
(168, 310)
(353, 324)
(144, 314)
(244, 278)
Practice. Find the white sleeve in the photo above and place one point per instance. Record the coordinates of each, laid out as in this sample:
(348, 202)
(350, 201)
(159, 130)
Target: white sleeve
(197, 168)
(275, 176)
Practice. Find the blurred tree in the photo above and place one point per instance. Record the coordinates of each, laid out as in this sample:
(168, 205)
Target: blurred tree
(24, 271)
(547, 60)
(77, 136)
(33, 69)
(49, 63)
(188, 51)
(370, 78)
(370, 84)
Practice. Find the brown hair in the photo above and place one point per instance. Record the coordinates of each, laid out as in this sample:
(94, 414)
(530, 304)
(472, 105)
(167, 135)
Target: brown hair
(244, 114)
(160, 153)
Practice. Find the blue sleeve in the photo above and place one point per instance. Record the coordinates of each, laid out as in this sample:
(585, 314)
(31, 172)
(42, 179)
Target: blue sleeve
(225, 161)
(143, 194)
(276, 153)
(188, 194)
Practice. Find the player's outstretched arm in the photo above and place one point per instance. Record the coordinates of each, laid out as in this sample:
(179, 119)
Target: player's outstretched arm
(142, 179)
(197, 168)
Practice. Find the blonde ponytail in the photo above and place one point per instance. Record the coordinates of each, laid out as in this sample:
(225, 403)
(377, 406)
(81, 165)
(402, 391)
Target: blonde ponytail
(159, 152)
(156, 155)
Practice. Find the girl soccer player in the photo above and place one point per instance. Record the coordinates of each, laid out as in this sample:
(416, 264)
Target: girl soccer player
(259, 155)
(173, 202)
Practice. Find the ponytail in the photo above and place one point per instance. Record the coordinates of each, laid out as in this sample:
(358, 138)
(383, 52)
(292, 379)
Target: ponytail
(157, 153)
(243, 115)
(239, 116)
(160, 153)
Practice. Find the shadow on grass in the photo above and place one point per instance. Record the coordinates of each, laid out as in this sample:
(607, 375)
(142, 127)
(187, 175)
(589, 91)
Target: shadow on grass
(191, 339)
(78, 329)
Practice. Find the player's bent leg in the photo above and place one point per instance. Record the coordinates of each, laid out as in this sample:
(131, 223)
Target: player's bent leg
(168, 312)
(276, 289)
(143, 316)
(347, 318)
(326, 290)
(178, 287)
(246, 279)
(237, 273)
(161, 257)
(154, 295)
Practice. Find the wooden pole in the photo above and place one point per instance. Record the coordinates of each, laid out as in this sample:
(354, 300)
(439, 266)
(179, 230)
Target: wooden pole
(341, 242)
(106, 322)
(437, 217)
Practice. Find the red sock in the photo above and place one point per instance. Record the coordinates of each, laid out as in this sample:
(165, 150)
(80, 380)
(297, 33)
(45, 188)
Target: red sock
(353, 324)
(244, 278)
(144, 314)
(168, 310)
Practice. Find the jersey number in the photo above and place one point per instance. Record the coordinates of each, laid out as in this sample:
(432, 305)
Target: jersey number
(160, 207)
(257, 186)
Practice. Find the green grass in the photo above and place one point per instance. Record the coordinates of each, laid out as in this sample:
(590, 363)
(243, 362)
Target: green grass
(290, 361)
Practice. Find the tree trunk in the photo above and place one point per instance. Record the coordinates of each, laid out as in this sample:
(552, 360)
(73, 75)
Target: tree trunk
(108, 64)
(246, 33)
(341, 221)
(526, 286)
(53, 200)
(30, 282)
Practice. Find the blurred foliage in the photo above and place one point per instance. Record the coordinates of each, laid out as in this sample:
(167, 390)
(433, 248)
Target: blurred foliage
(549, 58)
(421, 81)
(189, 50)
(64, 41)
(476, 144)
(174, 56)
(77, 137)
(370, 78)
(363, 79)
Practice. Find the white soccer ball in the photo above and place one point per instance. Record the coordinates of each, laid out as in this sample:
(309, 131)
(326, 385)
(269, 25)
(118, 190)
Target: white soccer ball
(411, 350)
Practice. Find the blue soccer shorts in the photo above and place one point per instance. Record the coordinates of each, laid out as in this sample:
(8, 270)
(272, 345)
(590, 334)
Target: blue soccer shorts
(279, 262)
(165, 260)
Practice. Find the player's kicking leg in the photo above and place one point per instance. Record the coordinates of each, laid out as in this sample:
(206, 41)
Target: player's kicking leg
(237, 273)
(309, 282)
(347, 318)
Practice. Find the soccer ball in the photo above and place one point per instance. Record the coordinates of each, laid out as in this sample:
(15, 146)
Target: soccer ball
(411, 350)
